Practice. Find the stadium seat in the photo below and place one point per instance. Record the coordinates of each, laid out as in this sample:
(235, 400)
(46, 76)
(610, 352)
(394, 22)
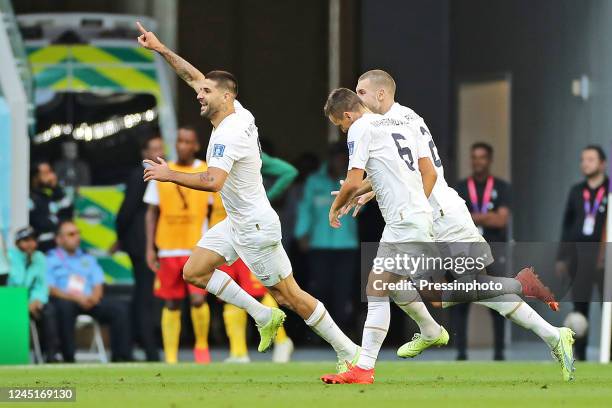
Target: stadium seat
(96, 350)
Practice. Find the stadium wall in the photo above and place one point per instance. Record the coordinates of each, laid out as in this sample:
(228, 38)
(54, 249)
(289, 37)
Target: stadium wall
(410, 39)
(278, 52)
(544, 45)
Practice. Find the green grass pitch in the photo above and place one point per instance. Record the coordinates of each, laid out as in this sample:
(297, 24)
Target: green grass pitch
(398, 384)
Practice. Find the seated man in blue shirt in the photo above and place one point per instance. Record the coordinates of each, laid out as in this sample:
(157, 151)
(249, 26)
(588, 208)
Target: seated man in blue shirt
(76, 287)
(28, 268)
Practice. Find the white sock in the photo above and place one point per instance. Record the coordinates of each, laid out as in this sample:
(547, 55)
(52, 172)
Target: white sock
(374, 331)
(224, 287)
(321, 323)
(515, 309)
(412, 304)
(503, 304)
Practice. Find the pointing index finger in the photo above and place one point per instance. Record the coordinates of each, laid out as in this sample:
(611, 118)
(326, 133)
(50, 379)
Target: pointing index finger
(141, 28)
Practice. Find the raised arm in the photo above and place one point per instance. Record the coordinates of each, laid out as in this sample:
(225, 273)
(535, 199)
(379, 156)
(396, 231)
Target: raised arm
(210, 180)
(183, 69)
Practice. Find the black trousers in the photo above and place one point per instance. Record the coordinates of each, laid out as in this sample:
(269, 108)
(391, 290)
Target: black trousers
(333, 279)
(46, 323)
(144, 308)
(460, 313)
(113, 313)
(585, 276)
(459, 316)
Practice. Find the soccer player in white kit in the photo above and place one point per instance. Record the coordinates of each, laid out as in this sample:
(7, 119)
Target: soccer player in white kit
(452, 223)
(251, 230)
(381, 147)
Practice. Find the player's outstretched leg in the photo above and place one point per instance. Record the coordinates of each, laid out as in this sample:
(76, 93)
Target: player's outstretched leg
(430, 332)
(283, 345)
(533, 287)
(374, 333)
(200, 270)
(560, 340)
(526, 283)
(289, 294)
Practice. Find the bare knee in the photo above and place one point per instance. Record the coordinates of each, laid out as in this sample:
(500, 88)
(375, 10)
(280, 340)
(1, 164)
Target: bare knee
(278, 296)
(197, 275)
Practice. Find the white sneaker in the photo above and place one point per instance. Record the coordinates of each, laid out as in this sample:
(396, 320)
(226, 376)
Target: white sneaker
(282, 351)
(237, 360)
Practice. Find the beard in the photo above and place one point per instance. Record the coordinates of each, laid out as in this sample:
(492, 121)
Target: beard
(208, 113)
(593, 173)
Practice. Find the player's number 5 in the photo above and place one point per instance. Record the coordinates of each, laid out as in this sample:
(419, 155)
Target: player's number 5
(404, 152)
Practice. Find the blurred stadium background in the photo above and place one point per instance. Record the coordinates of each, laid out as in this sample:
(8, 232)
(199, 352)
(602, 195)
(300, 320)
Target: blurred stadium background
(531, 78)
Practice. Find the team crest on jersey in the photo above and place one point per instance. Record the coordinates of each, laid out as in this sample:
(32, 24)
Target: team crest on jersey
(218, 150)
(351, 147)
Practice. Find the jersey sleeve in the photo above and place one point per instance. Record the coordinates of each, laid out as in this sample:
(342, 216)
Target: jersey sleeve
(423, 138)
(151, 195)
(231, 146)
(358, 143)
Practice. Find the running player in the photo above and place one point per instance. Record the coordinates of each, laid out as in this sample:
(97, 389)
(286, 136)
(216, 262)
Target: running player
(234, 318)
(382, 148)
(453, 224)
(251, 230)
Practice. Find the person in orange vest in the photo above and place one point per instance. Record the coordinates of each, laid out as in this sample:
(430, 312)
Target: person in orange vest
(175, 220)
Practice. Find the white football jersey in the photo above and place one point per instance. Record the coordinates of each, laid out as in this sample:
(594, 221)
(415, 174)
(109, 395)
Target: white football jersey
(387, 151)
(234, 147)
(443, 198)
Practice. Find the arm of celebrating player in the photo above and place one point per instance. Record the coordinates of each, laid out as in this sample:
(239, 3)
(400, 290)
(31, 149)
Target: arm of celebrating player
(428, 175)
(210, 180)
(354, 180)
(361, 197)
(183, 69)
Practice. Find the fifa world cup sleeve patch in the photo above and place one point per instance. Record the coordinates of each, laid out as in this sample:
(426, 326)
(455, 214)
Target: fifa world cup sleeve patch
(218, 150)
(351, 147)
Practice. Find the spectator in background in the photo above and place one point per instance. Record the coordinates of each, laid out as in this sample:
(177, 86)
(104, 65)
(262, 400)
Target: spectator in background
(584, 221)
(49, 204)
(28, 269)
(306, 164)
(72, 172)
(175, 219)
(332, 253)
(76, 286)
(277, 174)
(130, 227)
(280, 171)
(488, 199)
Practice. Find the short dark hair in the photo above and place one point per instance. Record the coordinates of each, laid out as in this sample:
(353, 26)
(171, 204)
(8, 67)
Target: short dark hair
(485, 146)
(598, 149)
(225, 80)
(61, 224)
(149, 139)
(341, 100)
(35, 167)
